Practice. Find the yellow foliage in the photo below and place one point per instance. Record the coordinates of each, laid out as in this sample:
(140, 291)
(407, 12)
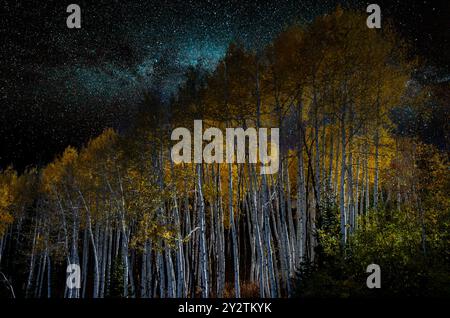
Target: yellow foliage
(8, 193)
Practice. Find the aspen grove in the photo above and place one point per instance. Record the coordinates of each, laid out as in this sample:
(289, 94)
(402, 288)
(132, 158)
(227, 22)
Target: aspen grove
(140, 225)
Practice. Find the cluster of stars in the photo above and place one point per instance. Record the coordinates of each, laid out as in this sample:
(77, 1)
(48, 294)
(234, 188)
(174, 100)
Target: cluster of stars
(124, 48)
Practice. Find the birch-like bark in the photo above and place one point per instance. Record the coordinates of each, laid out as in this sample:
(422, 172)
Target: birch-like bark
(234, 242)
(343, 215)
(94, 247)
(32, 260)
(376, 172)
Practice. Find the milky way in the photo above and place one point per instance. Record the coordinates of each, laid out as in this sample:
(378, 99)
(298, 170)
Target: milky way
(119, 43)
(65, 85)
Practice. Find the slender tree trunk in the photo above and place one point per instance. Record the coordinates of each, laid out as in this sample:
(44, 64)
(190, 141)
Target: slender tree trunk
(94, 247)
(237, 289)
(342, 183)
(375, 181)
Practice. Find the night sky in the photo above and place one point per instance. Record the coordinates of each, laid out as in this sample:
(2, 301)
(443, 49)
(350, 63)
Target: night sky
(61, 86)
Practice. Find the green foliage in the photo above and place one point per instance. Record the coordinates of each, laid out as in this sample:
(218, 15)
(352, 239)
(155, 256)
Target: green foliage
(310, 79)
(409, 238)
(116, 284)
(391, 239)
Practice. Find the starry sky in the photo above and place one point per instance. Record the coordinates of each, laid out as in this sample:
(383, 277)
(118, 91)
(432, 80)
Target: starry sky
(61, 86)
